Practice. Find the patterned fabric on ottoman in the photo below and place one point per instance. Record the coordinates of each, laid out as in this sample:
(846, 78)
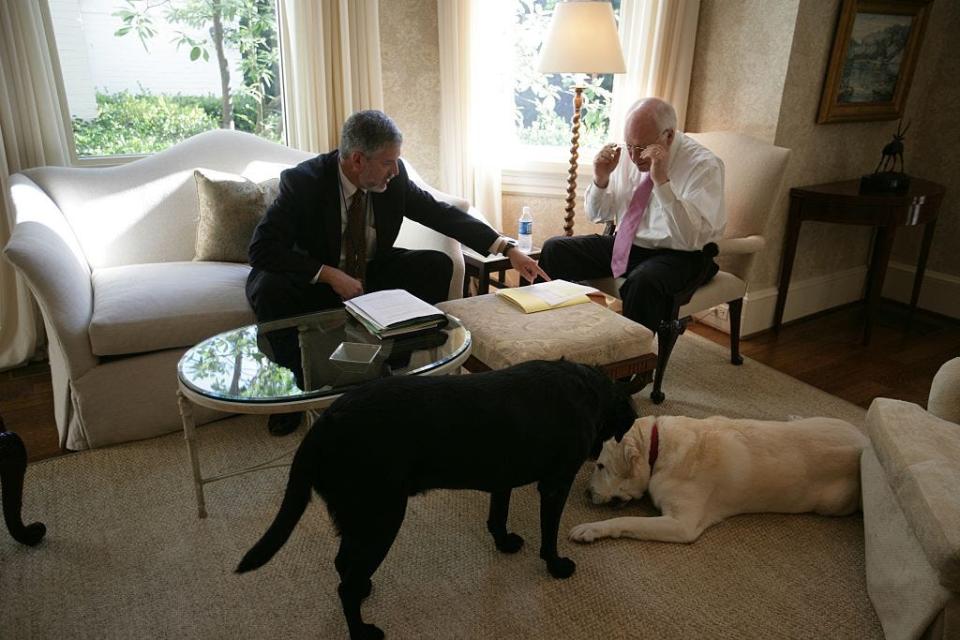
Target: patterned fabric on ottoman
(586, 333)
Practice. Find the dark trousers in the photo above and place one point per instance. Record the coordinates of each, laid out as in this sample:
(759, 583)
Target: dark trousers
(425, 274)
(653, 277)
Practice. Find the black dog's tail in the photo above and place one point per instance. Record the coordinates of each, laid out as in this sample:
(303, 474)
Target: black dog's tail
(295, 500)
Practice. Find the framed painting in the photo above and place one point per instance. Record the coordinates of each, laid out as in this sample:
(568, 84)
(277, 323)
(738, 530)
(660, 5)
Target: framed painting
(874, 55)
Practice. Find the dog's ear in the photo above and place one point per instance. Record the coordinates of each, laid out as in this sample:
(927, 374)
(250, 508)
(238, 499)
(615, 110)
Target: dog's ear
(631, 453)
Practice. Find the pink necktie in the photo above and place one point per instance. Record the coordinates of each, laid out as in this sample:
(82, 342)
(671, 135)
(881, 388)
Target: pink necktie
(628, 227)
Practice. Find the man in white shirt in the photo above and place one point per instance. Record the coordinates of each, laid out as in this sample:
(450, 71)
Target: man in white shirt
(667, 202)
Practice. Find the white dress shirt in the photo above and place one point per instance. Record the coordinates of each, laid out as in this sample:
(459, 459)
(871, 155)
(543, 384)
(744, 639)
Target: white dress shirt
(684, 213)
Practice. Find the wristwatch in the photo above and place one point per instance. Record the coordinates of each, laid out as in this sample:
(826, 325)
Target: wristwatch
(510, 243)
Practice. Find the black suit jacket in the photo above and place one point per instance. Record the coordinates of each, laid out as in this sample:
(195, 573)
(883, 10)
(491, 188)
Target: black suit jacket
(301, 229)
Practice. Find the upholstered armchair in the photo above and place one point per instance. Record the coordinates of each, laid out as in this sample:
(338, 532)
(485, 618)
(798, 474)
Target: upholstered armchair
(911, 511)
(753, 173)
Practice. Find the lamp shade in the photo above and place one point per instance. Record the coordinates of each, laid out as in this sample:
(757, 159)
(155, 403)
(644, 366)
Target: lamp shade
(582, 38)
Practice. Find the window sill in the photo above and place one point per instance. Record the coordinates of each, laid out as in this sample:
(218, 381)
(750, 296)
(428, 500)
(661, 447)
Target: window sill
(541, 172)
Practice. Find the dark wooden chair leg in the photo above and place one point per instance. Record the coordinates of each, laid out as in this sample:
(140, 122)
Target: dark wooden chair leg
(736, 310)
(667, 335)
(13, 467)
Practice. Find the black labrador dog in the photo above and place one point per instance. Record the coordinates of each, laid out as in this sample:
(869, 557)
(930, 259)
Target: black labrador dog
(493, 431)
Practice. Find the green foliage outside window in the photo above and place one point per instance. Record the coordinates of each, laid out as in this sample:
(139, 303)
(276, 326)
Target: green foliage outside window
(133, 124)
(249, 100)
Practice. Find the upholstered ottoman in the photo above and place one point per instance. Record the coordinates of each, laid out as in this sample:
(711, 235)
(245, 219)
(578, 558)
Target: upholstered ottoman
(586, 333)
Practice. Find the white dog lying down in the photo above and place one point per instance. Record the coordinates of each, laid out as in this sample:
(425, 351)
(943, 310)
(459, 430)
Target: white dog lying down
(706, 470)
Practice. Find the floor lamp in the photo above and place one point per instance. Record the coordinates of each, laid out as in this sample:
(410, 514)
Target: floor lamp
(582, 38)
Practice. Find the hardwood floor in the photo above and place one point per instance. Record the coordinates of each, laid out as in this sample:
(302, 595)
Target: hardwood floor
(823, 351)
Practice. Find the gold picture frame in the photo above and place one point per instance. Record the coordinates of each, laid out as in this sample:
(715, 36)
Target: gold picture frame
(874, 55)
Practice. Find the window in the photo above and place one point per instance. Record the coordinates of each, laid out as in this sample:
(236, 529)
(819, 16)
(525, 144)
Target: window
(141, 75)
(543, 103)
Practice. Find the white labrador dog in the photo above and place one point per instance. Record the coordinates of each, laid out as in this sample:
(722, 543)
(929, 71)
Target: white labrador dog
(699, 472)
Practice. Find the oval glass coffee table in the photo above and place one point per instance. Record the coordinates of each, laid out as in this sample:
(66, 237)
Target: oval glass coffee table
(300, 364)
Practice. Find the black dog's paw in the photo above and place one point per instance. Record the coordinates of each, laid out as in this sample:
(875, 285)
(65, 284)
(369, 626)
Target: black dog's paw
(510, 543)
(367, 632)
(561, 567)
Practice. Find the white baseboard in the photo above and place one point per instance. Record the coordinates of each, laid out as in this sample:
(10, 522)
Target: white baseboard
(940, 293)
(805, 297)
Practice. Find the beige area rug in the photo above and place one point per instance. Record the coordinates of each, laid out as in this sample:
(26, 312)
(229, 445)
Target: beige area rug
(126, 556)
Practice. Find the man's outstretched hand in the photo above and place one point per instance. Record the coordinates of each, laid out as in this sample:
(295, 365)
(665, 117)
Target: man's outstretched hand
(526, 266)
(343, 285)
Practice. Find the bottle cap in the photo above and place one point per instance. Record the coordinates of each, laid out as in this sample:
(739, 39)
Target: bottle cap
(526, 210)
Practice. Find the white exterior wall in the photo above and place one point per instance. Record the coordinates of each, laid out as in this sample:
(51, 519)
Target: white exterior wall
(94, 59)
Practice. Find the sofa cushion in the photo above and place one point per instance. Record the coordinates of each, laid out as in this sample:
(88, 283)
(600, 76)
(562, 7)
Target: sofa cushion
(147, 307)
(920, 454)
(230, 207)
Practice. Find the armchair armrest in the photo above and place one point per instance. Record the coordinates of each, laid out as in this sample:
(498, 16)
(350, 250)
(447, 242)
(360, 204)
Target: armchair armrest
(741, 246)
(45, 251)
(920, 455)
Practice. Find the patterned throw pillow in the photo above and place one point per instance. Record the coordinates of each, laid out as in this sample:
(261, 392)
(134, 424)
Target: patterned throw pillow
(230, 208)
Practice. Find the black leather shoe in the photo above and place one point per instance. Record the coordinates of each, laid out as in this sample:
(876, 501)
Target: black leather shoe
(280, 424)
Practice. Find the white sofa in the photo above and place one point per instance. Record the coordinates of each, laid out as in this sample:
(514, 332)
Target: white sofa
(108, 254)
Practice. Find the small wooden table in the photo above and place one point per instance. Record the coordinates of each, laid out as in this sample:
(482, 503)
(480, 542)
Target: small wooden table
(842, 202)
(480, 267)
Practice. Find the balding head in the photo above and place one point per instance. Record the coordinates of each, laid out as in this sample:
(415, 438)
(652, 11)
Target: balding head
(659, 112)
(649, 121)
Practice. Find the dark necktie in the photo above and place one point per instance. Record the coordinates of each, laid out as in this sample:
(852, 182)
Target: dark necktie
(355, 238)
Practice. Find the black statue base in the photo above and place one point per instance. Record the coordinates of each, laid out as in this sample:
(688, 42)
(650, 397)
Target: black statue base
(13, 466)
(885, 182)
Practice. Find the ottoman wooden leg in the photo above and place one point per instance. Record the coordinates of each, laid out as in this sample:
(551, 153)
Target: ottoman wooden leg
(13, 467)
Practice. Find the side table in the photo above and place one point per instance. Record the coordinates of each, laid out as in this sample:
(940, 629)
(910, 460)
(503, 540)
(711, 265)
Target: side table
(13, 467)
(481, 267)
(842, 202)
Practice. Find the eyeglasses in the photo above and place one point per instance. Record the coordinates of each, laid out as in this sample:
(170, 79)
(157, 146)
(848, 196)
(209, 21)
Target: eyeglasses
(637, 149)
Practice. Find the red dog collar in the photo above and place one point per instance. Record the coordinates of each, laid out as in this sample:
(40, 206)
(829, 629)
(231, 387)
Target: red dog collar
(654, 446)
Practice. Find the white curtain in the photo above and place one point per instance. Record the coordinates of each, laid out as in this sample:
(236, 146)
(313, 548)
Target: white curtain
(658, 39)
(331, 67)
(31, 134)
(475, 100)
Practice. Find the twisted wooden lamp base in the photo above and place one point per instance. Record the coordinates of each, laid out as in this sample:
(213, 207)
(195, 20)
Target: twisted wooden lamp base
(572, 171)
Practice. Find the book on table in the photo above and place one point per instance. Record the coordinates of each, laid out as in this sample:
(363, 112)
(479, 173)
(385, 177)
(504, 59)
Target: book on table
(548, 295)
(394, 312)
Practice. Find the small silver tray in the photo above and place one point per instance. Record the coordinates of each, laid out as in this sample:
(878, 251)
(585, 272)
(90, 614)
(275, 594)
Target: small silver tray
(355, 353)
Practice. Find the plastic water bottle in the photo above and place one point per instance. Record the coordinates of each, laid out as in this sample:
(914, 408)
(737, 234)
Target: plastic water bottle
(525, 231)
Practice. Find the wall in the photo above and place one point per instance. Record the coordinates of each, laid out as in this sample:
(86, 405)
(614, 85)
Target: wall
(410, 55)
(733, 53)
(740, 66)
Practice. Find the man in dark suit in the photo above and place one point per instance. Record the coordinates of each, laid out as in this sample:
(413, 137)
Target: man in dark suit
(329, 235)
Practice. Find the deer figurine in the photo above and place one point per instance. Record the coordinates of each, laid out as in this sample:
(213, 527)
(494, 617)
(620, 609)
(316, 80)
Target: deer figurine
(893, 151)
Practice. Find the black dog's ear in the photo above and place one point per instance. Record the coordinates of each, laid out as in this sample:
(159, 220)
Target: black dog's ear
(597, 448)
(625, 421)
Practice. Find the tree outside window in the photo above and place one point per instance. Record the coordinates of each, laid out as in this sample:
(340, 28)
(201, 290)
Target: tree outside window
(142, 75)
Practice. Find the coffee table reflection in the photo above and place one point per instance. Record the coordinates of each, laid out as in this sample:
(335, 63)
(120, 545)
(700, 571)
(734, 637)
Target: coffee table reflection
(300, 364)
